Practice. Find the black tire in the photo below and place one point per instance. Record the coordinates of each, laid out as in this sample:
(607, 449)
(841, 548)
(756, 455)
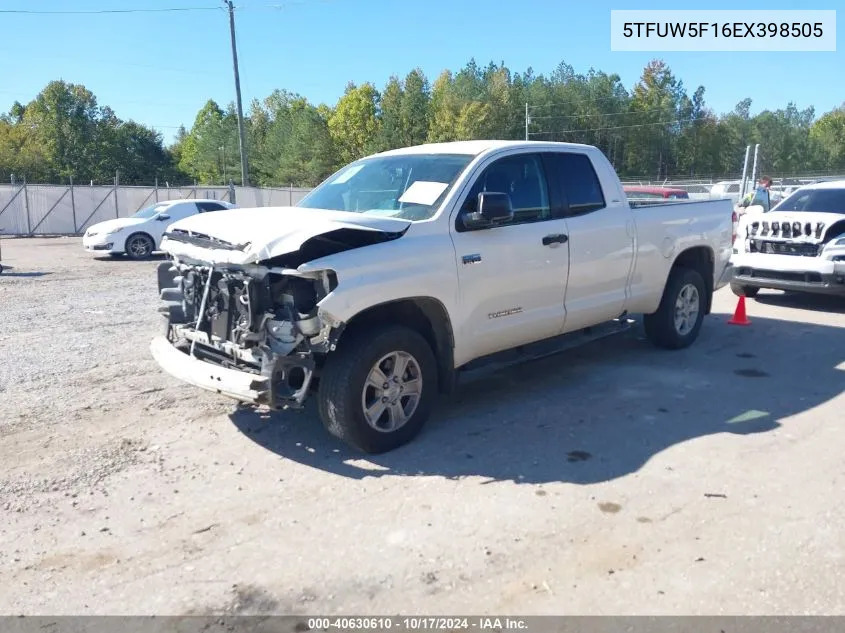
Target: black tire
(342, 383)
(744, 291)
(139, 246)
(660, 327)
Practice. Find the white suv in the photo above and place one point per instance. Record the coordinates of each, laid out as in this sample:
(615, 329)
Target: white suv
(139, 235)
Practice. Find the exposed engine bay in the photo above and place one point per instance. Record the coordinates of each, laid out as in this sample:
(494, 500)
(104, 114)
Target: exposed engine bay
(255, 319)
(259, 318)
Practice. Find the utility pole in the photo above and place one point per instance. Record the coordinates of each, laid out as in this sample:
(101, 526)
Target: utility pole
(527, 121)
(241, 140)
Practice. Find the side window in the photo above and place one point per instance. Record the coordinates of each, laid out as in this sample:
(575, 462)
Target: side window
(209, 206)
(522, 178)
(578, 181)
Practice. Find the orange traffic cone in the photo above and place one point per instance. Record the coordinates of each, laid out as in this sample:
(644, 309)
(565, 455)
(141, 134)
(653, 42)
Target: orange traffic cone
(739, 317)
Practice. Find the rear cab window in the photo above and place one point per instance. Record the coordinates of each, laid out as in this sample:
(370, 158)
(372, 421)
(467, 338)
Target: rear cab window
(576, 180)
(204, 207)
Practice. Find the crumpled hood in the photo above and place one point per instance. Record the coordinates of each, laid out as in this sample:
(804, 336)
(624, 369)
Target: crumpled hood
(114, 225)
(819, 223)
(248, 236)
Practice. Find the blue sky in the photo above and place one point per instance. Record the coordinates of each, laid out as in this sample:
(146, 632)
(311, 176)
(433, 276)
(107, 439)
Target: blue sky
(159, 68)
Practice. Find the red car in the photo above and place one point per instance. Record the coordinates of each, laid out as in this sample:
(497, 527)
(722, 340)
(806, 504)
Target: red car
(636, 192)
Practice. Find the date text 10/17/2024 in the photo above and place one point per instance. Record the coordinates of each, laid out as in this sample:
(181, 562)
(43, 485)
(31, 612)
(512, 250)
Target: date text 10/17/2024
(417, 623)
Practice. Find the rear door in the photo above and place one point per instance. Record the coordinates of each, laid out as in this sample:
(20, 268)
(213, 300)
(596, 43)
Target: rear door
(602, 238)
(512, 277)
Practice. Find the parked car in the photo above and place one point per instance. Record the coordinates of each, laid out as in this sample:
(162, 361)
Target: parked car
(726, 189)
(797, 245)
(638, 192)
(139, 235)
(408, 268)
(697, 192)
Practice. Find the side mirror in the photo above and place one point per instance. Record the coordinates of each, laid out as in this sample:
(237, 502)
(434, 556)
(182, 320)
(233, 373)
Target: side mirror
(493, 208)
(162, 216)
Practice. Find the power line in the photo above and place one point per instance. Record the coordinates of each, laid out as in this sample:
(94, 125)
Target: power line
(273, 7)
(619, 127)
(582, 101)
(600, 114)
(104, 11)
(278, 7)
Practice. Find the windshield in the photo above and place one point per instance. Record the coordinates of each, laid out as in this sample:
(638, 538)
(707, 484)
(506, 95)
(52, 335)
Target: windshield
(150, 212)
(814, 200)
(407, 186)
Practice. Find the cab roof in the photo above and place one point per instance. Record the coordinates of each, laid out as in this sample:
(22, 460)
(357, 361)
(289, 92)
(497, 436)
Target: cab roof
(474, 148)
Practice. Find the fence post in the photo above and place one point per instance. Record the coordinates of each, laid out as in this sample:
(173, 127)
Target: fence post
(156, 188)
(73, 205)
(26, 206)
(116, 183)
(231, 191)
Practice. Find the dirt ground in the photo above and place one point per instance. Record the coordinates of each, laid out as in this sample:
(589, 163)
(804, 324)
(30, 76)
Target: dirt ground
(614, 479)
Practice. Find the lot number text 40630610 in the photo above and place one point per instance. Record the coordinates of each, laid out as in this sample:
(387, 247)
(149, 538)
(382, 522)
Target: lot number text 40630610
(418, 623)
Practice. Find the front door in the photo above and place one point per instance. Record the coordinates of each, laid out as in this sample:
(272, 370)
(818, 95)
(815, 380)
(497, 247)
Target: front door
(512, 276)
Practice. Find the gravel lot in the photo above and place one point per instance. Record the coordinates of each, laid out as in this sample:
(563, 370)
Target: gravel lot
(614, 479)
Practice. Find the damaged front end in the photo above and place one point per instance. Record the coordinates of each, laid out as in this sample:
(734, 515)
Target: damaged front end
(251, 332)
(787, 252)
(241, 298)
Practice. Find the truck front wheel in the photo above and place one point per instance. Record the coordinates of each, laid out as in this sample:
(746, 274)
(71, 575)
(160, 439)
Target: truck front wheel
(378, 388)
(678, 320)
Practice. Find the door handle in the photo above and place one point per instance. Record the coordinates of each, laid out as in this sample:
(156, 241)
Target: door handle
(556, 238)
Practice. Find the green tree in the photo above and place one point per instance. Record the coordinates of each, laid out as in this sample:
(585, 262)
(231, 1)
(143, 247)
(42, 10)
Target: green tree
(413, 108)
(827, 136)
(64, 118)
(784, 137)
(390, 134)
(63, 133)
(353, 124)
(295, 145)
(442, 115)
(210, 151)
(656, 106)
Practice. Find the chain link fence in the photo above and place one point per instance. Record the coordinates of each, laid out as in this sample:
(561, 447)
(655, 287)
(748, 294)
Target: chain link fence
(31, 210)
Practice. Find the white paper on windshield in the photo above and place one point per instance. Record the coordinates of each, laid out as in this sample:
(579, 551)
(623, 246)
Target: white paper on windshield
(347, 174)
(423, 192)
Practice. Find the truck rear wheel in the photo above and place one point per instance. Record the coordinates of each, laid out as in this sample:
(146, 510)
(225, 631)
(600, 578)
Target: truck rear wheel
(378, 388)
(678, 320)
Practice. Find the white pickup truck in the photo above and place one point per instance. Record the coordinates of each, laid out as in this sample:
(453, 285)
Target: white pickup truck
(406, 268)
(798, 245)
